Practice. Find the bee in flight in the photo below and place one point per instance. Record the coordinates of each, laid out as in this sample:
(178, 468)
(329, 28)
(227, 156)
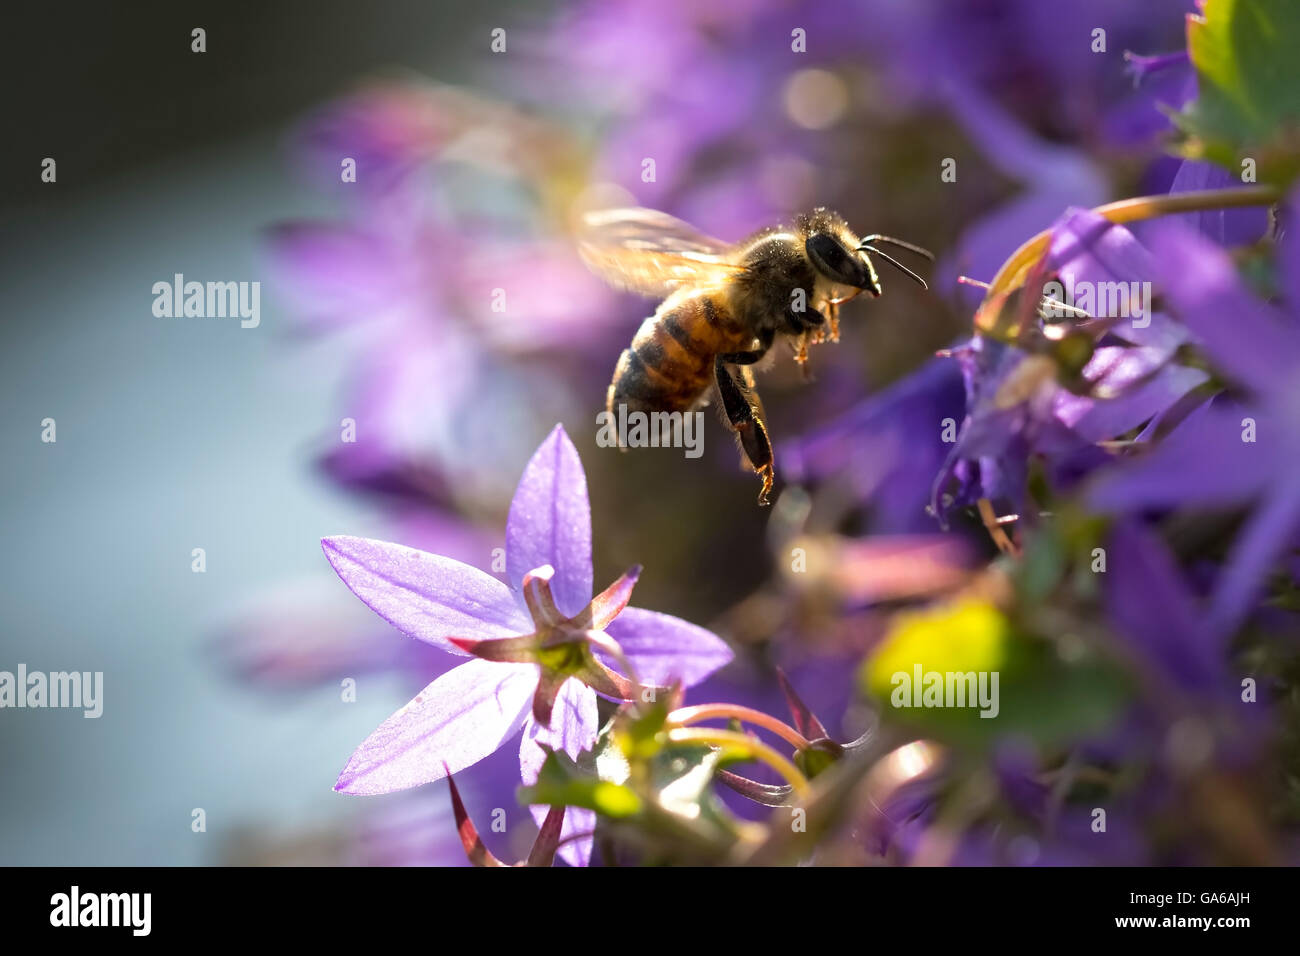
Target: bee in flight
(724, 305)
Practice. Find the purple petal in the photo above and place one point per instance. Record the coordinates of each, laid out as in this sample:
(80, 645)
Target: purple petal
(664, 648)
(1054, 177)
(425, 596)
(1092, 248)
(332, 275)
(1204, 461)
(1089, 248)
(861, 447)
(1123, 370)
(573, 730)
(1152, 607)
(1243, 336)
(1140, 67)
(1226, 227)
(550, 523)
(1268, 533)
(459, 719)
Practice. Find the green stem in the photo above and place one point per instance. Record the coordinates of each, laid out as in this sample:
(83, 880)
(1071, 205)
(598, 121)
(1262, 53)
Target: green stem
(1014, 270)
(690, 715)
(738, 741)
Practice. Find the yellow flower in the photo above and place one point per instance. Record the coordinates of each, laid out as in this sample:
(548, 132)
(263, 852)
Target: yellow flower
(965, 635)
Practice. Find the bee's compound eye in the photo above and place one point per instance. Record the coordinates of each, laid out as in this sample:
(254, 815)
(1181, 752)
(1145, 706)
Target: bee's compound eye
(835, 262)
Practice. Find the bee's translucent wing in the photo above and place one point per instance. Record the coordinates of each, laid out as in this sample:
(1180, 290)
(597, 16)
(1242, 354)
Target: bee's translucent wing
(651, 252)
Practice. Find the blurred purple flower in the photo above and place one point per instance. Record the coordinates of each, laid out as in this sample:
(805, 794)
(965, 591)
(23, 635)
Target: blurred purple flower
(516, 683)
(1039, 830)
(1227, 227)
(1163, 84)
(1002, 49)
(1015, 407)
(1166, 85)
(415, 303)
(1228, 453)
(425, 312)
(1053, 176)
(1151, 606)
(888, 447)
(1010, 399)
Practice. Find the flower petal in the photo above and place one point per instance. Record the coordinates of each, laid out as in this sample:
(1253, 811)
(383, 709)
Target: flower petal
(1141, 388)
(1150, 605)
(1090, 249)
(550, 523)
(1243, 336)
(1202, 462)
(1267, 534)
(573, 730)
(456, 721)
(664, 648)
(425, 596)
(331, 275)
(1225, 227)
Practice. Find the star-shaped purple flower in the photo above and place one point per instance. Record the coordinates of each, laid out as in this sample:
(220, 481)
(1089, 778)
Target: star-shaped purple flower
(540, 645)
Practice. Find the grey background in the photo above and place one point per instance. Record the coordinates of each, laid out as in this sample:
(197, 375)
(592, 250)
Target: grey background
(172, 433)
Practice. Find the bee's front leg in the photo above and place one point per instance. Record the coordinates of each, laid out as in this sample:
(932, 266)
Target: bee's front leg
(833, 318)
(801, 353)
(744, 415)
(809, 325)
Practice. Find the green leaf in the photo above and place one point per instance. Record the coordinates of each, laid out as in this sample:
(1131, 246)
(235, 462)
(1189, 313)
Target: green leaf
(1248, 106)
(561, 782)
(681, 776)
(1037, 695)
(1040, 571)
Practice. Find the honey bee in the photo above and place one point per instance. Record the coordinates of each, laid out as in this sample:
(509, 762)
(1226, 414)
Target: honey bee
(723, 307)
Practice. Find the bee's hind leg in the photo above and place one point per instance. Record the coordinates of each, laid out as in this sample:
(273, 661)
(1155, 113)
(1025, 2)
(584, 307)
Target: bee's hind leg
(764, 339)
(745, 416)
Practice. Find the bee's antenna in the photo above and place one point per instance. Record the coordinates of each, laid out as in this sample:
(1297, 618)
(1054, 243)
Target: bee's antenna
(890, 240)
(895, 263)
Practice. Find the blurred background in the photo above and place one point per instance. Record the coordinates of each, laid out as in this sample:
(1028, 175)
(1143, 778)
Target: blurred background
(222, 688)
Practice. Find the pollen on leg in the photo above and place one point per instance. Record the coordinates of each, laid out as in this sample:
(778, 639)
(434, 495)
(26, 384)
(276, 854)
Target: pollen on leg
(801, 352)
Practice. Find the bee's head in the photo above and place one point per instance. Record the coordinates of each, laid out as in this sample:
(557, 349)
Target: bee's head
(840, 262)
(831, 248)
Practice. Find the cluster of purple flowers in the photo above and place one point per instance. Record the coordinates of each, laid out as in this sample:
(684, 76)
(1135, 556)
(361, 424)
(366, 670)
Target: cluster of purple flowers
(1090, 493)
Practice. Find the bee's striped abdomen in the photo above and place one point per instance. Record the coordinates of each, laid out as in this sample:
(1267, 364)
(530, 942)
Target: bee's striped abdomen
(670, 363)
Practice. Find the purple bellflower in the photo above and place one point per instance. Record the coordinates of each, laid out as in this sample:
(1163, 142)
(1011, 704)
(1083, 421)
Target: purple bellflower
(886, 448)
(540, 645)
(1016, 409)
(1228, 453)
